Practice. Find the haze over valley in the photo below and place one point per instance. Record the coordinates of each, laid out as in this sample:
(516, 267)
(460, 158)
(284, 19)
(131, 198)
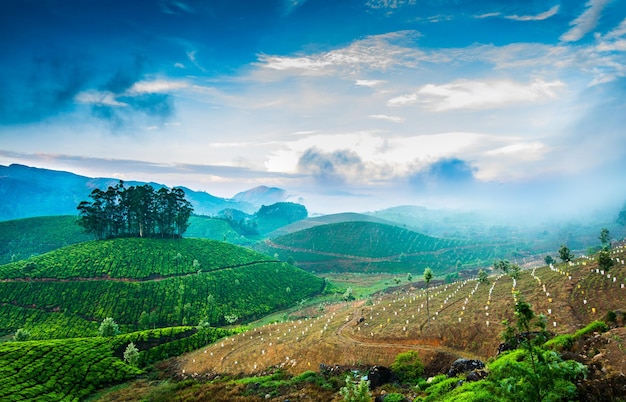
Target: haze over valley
(312, 200)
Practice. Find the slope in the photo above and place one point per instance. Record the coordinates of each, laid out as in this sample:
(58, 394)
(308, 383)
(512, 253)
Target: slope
(465, 321)
(145, 282)
(23, 238)
(325, 220)
(374, 247)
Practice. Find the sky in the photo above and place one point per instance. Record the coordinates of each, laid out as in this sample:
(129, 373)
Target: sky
(351, 105)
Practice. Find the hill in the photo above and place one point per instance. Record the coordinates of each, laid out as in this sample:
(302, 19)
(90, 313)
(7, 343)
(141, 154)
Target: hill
(145, 282)
(374, 247)
(325, 220)
(465, 321)
(27, 192)
(23, 238)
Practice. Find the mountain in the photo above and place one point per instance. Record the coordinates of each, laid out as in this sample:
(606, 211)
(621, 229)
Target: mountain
(262, 195)
(27, 192)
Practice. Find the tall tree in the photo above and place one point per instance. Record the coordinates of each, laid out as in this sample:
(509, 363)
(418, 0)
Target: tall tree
(135, 211)
(565, 254)
(183, 210)
(605, 238)
(428, 276)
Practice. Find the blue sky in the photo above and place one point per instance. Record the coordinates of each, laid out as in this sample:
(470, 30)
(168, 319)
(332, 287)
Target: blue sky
(349, 105)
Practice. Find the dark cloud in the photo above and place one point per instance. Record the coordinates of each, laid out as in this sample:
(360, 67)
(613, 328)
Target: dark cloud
(443, 174)
(44, 87)
(120, 84)
(124, 78)
(330, 168)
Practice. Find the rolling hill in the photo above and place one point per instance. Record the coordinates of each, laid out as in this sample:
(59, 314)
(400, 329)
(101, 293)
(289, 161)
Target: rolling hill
(466, 322)
(325, 220)
(145, 282)
(23, 238)
(358, 246)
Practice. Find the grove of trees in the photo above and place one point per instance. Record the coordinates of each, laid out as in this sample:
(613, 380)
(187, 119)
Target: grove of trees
(136, 211)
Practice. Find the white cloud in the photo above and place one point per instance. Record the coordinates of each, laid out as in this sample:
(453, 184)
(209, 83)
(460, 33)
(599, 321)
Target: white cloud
(291, 5)
(585, 22)
(539, 17)
(389, 4)
(528, 148)
(395, 119)
(369, 83)
(467, 94)
(374, 53)
(157, 86)
(488, 15)
(383, 157)
(402, 100)
(94, 97)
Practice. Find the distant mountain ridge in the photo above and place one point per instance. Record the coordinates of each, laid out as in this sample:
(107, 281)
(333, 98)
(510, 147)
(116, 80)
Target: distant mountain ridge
(29, 192)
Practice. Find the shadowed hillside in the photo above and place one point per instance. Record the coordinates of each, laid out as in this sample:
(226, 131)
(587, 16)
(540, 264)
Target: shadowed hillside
(23, 238)
(374, 247)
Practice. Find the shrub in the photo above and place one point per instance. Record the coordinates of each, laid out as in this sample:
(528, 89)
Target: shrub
(596, 326)
(356, 392)
(560, 342)
(21, 335)
(408, 366)
(131, 354)
(394, 397)
(108, 327)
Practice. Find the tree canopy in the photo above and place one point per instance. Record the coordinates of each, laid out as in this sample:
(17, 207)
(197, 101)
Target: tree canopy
(136, 211)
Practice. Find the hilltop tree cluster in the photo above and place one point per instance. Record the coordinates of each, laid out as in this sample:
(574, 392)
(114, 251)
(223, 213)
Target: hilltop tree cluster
(136, 211)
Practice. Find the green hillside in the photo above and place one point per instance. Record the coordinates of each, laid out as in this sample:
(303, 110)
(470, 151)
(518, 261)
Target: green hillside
(145, 283)
(325, 220)
(71, 369)
(375, 247)
(23, 238)
(204, 227)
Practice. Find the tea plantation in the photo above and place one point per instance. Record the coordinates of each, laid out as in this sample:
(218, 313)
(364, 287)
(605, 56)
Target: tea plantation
(145, 283)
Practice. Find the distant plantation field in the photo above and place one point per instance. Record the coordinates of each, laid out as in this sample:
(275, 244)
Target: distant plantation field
(23, 238)
(145, 283)
(204, 227)
(374, 247)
